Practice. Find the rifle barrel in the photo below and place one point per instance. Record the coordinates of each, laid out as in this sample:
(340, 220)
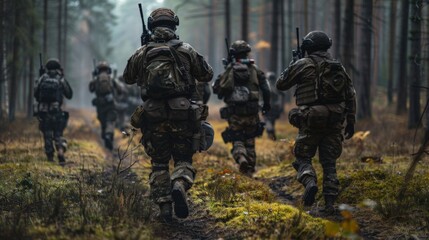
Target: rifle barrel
(297, 37)
(142, 17)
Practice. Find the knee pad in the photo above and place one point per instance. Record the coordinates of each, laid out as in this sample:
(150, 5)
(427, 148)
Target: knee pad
(184, 171)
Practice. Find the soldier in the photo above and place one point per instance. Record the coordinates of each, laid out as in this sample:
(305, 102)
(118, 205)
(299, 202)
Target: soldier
(240, 86)
(105, 88)
(203, 89)
(325, 97)
(277, 104)
(122, 105)
(166, 69)
(49, 92)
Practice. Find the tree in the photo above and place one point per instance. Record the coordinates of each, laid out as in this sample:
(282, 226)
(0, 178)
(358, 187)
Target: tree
(392, 47)
(244, 19)
(348, 37)
(364, 94)
(60, 32)
(15, 63)
(31, 65)
(402, 68)
(45, 28)
(274, 36)
(227, 20)
(415, 65)
(2, 55)
(337, 27)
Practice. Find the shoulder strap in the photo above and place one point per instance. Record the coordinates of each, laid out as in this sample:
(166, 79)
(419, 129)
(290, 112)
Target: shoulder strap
(173, 48)
(317, 68)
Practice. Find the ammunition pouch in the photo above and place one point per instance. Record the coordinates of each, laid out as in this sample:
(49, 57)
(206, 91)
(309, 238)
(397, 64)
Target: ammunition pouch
(137, 117)
(322, 116)
(229, 135)
(247, 109)
(178, 109)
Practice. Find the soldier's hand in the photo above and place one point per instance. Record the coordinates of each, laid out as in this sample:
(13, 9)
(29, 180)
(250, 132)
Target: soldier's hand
(349, 131)
(266, 108)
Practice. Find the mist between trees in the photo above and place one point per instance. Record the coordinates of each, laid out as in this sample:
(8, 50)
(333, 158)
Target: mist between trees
(382, 43)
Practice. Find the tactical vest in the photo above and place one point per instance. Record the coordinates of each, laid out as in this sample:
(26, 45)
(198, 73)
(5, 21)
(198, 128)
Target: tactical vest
(244, 84)
(50, 89)
(326, 86)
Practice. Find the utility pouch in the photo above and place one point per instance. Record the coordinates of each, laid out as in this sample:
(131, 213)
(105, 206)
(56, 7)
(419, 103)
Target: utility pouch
(155, 110)
(337, 112)
(318, 116)
(137, 117)
(198, 112)
(241, 110)
(179, 109)
(225, 112)
(207, 136)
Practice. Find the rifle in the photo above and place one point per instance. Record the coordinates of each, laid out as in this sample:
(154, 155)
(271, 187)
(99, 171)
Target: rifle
(297, 54)
(94, 72)
(145, 37)
(230, 57)
(41, 69)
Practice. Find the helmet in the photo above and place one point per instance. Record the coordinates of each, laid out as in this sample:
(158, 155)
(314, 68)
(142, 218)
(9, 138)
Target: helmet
(240, 46)
(162, 17)
(271, 76)
(315, 41)
(104, 66)
(208, 135)
(53, 64)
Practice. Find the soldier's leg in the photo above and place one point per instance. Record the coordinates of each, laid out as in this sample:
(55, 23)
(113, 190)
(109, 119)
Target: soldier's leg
(47, 132)
(329, 151)
(110, 128)
(304, 150)
(251, 154)
(269, 126)
(60, 142)
(239, 153)
(183, 174)
(158, 147)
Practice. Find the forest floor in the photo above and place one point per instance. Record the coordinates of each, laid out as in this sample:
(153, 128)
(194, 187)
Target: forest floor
(99, 194)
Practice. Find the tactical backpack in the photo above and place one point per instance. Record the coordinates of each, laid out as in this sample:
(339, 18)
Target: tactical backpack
(103, 84)
(331, 81)
(165, 76)
(50, 89)
(234, 83)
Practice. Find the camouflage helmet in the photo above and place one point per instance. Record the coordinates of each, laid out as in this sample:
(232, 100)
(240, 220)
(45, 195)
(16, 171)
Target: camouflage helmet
(104, 66)
(240, 46)
(315, 41)
(162, 17)
(53, 64)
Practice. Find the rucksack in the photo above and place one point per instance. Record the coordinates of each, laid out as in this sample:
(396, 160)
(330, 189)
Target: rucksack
(50, 89)
(103, 84)
(331, 81)
(165, 76)
(235, 81)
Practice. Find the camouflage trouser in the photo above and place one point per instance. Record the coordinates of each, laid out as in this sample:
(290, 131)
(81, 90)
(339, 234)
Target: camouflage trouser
(52, 125)
(330, 148)
(244, 148)
(107, 118)
(162, 142)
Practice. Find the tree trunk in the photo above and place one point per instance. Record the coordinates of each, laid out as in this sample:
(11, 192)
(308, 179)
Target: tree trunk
(427, 74)
(337, 28)
(2, 54)
(60, 32)
(402, 68)
(31, 69)
(282, 37)
(45, 28)
(392, 47)
(15, 64)
(364, 94)
(415, 64)
(212, 33)
(244, 20)
(274, 37)
(64, 48)
(305, 14)
(348, 37)
(228, 20)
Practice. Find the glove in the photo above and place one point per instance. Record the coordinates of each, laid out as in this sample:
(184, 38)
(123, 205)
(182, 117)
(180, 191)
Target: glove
(266, 108)
(349, 131)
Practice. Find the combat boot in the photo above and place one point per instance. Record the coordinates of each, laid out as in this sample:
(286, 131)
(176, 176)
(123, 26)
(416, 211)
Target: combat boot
(166, 212)
(310, 192)
(108, 141)
(61, 158)
(244, 164)
(178, 193)
(329, 208)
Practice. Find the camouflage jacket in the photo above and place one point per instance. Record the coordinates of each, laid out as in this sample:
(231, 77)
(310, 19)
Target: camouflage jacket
(66, 89)
(193, 62)
(304, 70)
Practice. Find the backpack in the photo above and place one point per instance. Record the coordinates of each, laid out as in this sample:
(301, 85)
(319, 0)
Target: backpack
(103, 84)
(165, 76)
(331, 81)
(50, 89)
(234, 83)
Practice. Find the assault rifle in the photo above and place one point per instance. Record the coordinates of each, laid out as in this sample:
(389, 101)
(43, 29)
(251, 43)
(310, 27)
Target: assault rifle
(145, 37)
(95, 71)
(41, 69)
(297, 54)
(230, 57)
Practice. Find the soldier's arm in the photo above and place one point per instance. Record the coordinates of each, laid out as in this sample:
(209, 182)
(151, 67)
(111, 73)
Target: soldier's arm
(200, 69)
(67, 90)
(133, 69)
(36, 88)
(350, 102)
(92, 86)
(291, 75)
(264, 86)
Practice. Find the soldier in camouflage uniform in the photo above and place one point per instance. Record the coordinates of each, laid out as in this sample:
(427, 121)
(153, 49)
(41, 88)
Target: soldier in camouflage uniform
(277, 107)
(242, 110)
(203, 89)
(49, 92)
(169, 125)
(105, 88)
(123, 105)
(325, 97)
